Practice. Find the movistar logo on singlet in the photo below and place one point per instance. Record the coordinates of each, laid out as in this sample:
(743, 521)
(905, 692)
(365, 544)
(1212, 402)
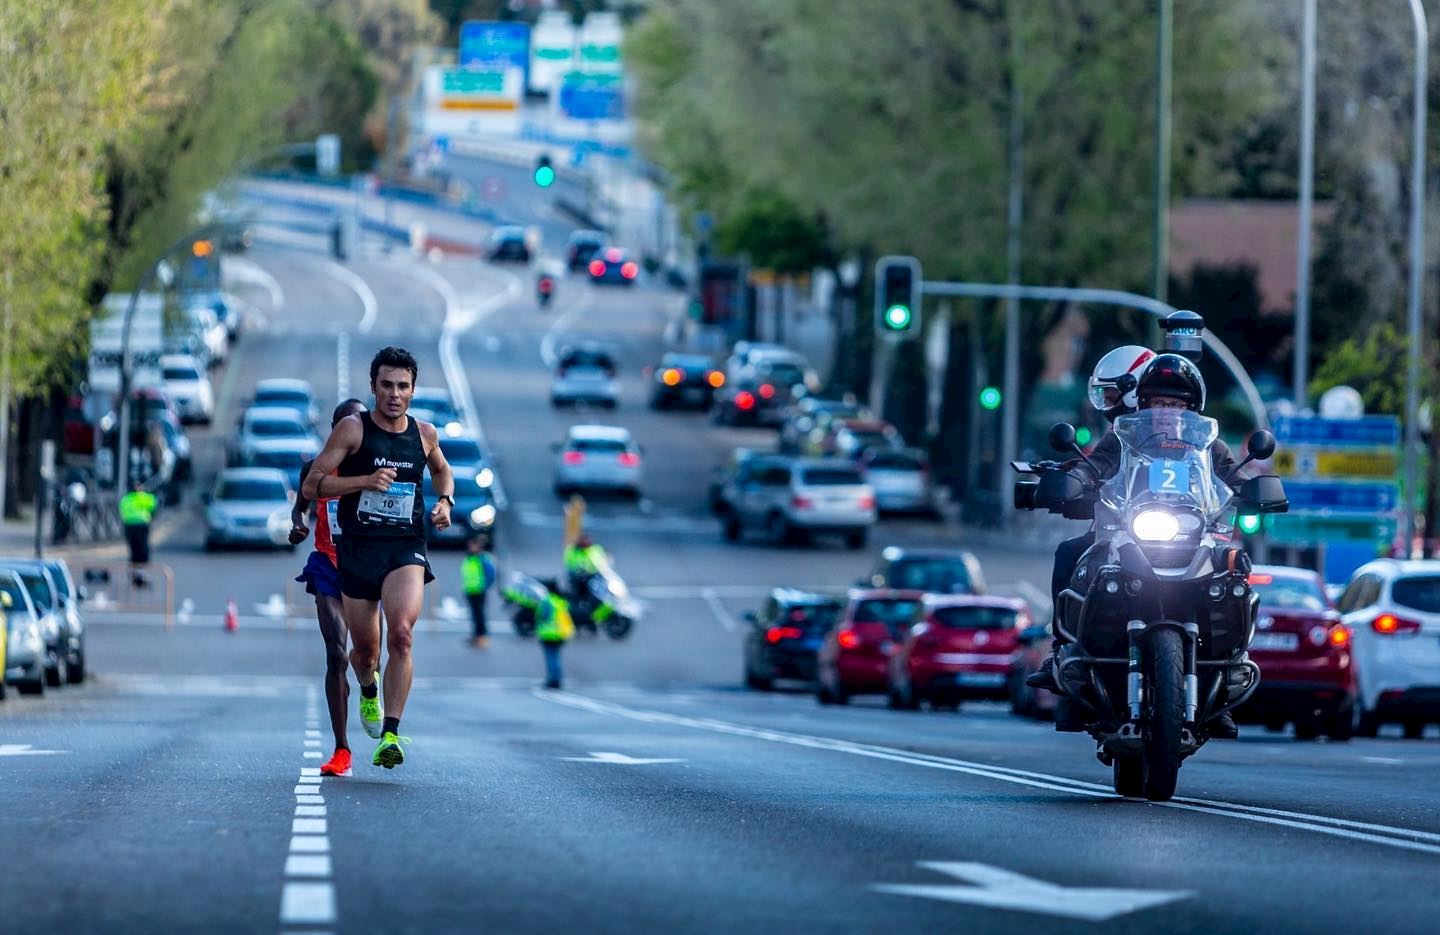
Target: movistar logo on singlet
(386, 462)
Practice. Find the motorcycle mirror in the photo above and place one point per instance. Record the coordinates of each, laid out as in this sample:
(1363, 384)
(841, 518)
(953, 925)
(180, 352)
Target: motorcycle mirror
(1261, 445)
(1062, 437)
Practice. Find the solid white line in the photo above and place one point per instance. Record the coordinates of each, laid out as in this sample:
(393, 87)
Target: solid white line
(310, 811)
(718, 609)
(307, 826)
(310, 844)
(362, 290)
(307, 902)
(1388, 760)
(1320, 824)
(307, 865)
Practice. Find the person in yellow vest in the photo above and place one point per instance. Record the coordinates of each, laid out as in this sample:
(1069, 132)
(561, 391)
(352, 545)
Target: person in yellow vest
(553, 627)
(477, 574)
(137, 508)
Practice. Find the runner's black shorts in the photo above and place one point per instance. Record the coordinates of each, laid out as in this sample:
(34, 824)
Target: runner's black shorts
(365, 562)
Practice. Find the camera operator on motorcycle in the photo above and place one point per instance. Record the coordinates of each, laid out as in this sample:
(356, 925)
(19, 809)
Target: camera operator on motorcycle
(1107, 398)
(1169, 382)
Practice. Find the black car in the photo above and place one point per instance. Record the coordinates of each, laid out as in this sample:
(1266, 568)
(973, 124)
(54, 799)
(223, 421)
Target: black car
(581, 247)
(932, 571)
(752, 400)
(684, 380)
(507, 244)
(785, 634)
(612, 266)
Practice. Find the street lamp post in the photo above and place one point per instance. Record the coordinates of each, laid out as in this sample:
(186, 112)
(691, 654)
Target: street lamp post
(1417, 261)
(1307, 189)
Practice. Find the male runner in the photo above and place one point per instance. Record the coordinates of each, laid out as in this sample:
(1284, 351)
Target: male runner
(321, 576)
(378, 459)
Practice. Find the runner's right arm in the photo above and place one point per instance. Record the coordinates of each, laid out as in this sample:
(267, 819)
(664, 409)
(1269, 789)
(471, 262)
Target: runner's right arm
(344, 439)
(298, 529)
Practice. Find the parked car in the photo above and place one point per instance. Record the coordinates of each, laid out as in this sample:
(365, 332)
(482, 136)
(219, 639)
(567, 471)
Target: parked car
(70, 596)
(1307, 675)
(901, 478)
(684, 380)
(612, 266)
(60, 623)
(854, 658)
(507, 244)
(249, 506)
(785, 636)
(1392, 609)
(585, 375)
(725, 473)
(25, 649)
(287, 393)
(597, 457)
(188, 385)
(433, 404)
(266, 429)
(962, 647)
(581, 246)
(796, 499)
(932, 571)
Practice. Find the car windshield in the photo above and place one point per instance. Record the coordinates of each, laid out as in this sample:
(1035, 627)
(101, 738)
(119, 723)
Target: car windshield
(830, 477)
(275, 428)
(1420, 593)
(39, 588)
(460, 450)
(810, 616)
(892, 612)
(282, 398)
(62, 584)
(1290, 592)
(938, 576)
(976, 618)
(10, 586)
(251, 490)
(696, 364)
(597, 445)
(785, 374)
(181, 373)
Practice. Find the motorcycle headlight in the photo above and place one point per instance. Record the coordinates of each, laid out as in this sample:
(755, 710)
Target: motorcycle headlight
(1155, 526)
(483, 515)
(484, 478)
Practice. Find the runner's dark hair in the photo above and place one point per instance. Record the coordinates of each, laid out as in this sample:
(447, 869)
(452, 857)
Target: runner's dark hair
(348, 407)
(394, 357)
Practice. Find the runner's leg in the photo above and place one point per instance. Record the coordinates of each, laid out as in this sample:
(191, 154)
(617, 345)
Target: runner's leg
(362, 619)
(331, 614)
(403, 595)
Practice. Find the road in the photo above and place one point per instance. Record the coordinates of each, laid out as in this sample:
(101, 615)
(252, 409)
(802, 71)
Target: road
(175, 791)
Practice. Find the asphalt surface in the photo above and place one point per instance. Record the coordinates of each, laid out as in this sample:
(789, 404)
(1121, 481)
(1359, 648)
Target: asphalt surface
(173, 793)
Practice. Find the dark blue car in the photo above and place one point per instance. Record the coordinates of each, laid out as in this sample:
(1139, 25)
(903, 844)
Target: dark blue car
(785, 635)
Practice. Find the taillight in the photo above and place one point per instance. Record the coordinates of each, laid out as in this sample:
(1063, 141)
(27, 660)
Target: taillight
(546, 285)
(848, 639)
(597, 267)
(1339, 636)
(745, 400)
(865, 502)
(672, 377)
(715, 378)
(1390, 624)
(801, 503)
(574, 457)
(767, 391)
(628, 459)
(629, 270)
(776, 634)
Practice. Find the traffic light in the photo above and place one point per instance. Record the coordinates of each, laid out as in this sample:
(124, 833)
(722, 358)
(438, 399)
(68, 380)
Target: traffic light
(544, 174)
(897, 297)
(990, 398)
(1250, 523)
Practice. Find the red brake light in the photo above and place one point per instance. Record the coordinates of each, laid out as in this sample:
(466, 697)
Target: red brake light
(672, 377)
(546, 284)
(629, 269)
(574, 457)
(767, 391)
(597, 267)
(744, 400)
(776, 634)
(1339, 636)
(1389, 624)
(715, 378)
(801, 503)
(865, 502)
(848, 639)
(628, 459)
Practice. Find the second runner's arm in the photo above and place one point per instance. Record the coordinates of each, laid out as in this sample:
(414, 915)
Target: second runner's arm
(298, 529)
(440, 476)
(344, 439)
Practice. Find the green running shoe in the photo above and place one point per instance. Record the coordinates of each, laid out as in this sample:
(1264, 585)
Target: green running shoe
(390, 754)
(372, 712)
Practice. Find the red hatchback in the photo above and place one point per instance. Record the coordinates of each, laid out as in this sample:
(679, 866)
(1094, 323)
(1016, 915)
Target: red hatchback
(855, 657)
(964, 647)
(1303, 650)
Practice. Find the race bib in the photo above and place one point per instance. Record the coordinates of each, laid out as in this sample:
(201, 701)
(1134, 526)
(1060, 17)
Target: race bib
(1169, 477)
(332, 517)
(393, 507)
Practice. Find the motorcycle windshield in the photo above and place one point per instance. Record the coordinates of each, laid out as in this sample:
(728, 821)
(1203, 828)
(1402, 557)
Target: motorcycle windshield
(1165, 458)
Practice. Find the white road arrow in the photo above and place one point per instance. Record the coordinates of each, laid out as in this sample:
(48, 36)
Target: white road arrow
(275, 607)
(618, 759)
(24, 749)
(1004, 889)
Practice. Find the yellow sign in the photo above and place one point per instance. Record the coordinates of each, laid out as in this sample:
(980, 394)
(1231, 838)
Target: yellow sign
(1381, 463)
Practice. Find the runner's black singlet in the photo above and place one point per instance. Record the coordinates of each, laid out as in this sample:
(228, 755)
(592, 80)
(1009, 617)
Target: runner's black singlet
(398, 512)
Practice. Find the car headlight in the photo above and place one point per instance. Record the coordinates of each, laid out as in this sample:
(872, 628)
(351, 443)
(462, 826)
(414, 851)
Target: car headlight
(484, 478)
(483, 515)
(1155, 526)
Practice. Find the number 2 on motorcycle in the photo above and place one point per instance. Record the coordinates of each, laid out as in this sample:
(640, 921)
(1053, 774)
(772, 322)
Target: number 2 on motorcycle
(1169, 477)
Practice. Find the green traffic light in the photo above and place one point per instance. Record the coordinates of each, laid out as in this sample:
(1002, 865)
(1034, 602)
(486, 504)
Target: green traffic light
(544, 176)
(990, 398)
(1250, 524)
(1083, 436)
(897, 318)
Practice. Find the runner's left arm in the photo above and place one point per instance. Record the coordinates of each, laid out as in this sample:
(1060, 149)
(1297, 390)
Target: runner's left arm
(298, 529)
(440, 476)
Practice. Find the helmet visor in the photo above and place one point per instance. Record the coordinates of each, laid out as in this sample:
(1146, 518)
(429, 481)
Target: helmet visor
(1104, 396)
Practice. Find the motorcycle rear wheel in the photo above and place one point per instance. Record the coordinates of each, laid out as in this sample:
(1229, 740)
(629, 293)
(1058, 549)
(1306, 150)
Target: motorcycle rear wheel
(617, 626)
(1165, 655)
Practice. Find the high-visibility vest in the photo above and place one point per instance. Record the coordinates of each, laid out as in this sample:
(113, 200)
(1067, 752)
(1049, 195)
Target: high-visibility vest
(584, 561)
(137, 507)
(552, 620)
(476, 574)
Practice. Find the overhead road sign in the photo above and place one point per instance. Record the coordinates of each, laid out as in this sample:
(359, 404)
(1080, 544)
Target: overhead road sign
(495, 44)
(1376, 464)
(1365, 432)
(1287, 529)
(1341, 497)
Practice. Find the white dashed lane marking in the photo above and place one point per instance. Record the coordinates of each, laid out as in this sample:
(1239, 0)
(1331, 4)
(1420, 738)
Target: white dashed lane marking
(308, 896)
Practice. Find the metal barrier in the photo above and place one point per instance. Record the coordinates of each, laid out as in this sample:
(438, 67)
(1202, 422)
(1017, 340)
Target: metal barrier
(121, 587)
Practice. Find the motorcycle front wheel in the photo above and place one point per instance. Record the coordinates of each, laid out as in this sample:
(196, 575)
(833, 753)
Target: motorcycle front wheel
(1165, 655)
(617, 626)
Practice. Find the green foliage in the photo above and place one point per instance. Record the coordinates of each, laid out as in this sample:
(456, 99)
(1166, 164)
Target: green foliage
(1373, 363)
(774, 233)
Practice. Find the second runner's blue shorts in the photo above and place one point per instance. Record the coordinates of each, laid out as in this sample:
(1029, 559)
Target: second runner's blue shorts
(319, 576)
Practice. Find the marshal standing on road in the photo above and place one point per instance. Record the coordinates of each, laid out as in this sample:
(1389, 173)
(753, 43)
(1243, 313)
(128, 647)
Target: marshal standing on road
(378, 459)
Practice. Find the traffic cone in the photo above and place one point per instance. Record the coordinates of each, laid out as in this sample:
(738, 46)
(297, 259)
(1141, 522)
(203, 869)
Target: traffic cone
(232, 616)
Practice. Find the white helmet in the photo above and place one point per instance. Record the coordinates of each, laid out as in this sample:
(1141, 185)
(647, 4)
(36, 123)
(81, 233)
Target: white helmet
(1131, 359)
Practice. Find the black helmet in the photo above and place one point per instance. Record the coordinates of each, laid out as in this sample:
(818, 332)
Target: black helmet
(1174, 376)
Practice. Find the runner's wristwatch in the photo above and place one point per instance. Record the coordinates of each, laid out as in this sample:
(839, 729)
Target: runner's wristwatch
(446, 497)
